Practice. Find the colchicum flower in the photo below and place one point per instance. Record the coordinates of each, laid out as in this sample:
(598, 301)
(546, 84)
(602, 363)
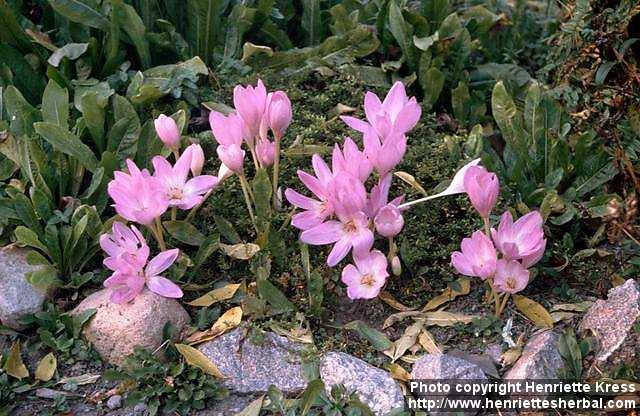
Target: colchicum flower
(482, 187)
(386, 154)
(126, 247)
(250, 103)
(167, 130)
(366, 278)
(127, 284)
(523, 239)
(197, 159)
(389, 221)
(511, 276)
(265, 152)
(138, 196)
(316, 210)
(396, 115)
(351, 160)
(182, 193)
(478, 257)
(278, 114)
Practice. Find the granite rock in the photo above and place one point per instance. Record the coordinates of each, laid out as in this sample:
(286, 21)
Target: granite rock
(443, 366)
(613, 319)
(254, 360)
(116, 329)
(540, 358)
(17, 297)
(374, 387)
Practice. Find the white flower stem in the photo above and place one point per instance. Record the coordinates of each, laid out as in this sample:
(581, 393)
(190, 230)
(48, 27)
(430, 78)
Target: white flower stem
(247, 198)
(276, 173)
(418, 201)
(156, 230)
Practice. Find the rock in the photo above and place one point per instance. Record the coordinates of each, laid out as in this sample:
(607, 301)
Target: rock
(139, 409)
(114, 402)
(443, 366)
(253, 361)
(495, 352)
(17, 297)
(228, 406)
(540, 358)
(612, 320)
(373, 386)
(116, 329)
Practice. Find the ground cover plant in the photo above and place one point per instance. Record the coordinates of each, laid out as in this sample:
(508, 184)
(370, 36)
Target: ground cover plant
(385, 179)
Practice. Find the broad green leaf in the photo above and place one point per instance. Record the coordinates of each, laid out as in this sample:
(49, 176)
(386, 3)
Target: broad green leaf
(311, 22)
(269, 292)
(207, 248)
(55, 105)
(27, 238)
(225, 228)
(504, 110)
(460, 101)
(10, 29)
(20, 112)
(379, 340)
(29, 81)
(184, 232)
(432, 82)
(132, 25)
(204, 23)
(401, 32)
(125, 132)
(80, 12)
(68, 144)
(310, 395)
(71, 50)
(262, 193)
(45, 278)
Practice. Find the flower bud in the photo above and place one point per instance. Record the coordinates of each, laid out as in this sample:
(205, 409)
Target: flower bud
(279, 113)
(389, 221)
(483, 188)
(396, 266)
(197, 159)
(265, 152)
(167, 130)
(232, 156)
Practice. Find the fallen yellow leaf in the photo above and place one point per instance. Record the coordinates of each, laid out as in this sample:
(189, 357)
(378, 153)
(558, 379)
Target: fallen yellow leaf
(230, 319)
(533, 310)
(398, 373)
(46, 367)
(14, 365)
(449, 294)
(426, 341)
(240, 251)
(387, 298)
(197, 359)
(216, 295)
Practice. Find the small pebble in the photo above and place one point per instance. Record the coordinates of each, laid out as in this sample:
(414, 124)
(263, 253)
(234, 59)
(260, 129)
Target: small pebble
(114, 402)
(139, 409)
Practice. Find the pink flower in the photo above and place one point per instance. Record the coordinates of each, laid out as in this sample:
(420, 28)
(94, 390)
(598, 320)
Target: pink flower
(197, 159)
(482, 187)
(232, 156)
(182, 193)
(397, 114)
(379, 196)
(478, 257)
(250, 103)
(126, 285)
(510, 277)
(348, 198)
(167, 130)
(366, 278)
(126, 247)
(384, 155)
(523, 239)
(138, 196)
(228, 130)
(389, 221)
(265, 152)
(279, 113)
(351, 160)
(316, 210)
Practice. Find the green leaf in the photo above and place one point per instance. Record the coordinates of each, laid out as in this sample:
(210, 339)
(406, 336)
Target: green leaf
(432, 82)
(55, 105)
(262, 193)
(26, 213)
(311, 21)
(81, 319)
(401, 32)
(603, 71)
(124, 134)
(207, 248)
(29, 81)
(80, 12)
(203, 22)
(20, 112)
(71, 50)
(184, 232)
(379, 340)
(461, 101)
(27, 238)
(225, 228)
(45, 278)
(68, 144)
(504, 110)
(269, 292)
(311, 395)
(10, 29)
(571, 353)
(132, 25)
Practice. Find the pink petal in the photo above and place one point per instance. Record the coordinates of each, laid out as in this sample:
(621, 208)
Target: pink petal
(325, 233)
(339, 251)
(356, 123)
(306, 220)
(164, 287)
(161, 262)
(300, 200)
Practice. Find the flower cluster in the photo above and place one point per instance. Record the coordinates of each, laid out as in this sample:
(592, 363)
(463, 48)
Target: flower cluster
(143, 198)
(344, 213)
(256, 112)
(128, 253)
(499, 256)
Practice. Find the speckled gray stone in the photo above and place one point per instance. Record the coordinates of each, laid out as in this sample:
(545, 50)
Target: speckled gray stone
(17, 297)
(374, 387)
(540, 358)
(228, 406)
(443, 366)
(612, 320)
(116, 329)
(252, 361)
